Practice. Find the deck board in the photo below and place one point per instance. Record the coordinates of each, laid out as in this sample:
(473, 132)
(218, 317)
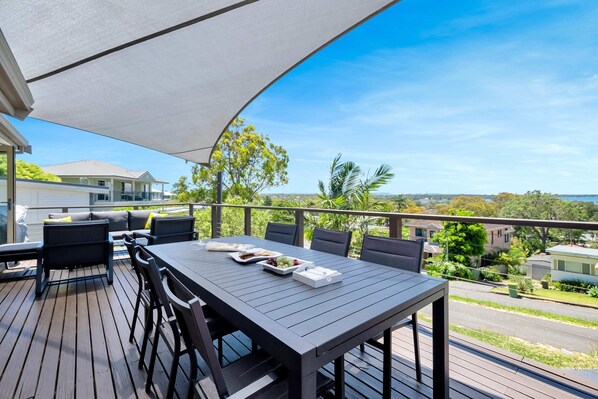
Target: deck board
(73, 342)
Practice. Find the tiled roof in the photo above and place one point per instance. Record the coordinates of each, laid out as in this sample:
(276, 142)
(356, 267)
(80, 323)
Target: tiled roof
(97, 168)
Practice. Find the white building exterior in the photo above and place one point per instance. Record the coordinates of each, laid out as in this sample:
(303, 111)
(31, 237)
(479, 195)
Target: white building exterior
(572, 262)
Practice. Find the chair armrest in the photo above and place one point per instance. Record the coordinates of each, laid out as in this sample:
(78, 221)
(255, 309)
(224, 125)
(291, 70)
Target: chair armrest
(137, 234)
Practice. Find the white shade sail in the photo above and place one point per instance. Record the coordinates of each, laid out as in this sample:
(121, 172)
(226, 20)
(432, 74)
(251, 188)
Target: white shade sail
(167, 75)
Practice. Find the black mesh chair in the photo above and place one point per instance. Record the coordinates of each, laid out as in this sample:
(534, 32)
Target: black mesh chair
(169, 229)
(256, 375)
(404, 255)
(167, 327)
(331, 241)
(280, 232)
(142, 289)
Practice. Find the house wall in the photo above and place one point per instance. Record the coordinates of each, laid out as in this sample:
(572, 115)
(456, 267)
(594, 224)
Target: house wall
(43, 194)
(132, 190)
(494, 244)
(558, 275)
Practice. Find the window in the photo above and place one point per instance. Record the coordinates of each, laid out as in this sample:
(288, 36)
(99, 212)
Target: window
(102, 197)
(102, 183)
(432, 233)
(499, 233)
(492, 237)
(506, 238)
(561, 265)
(585, 268)
(420, 232)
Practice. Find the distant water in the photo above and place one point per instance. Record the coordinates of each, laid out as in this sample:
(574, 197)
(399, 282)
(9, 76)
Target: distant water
(581, 198)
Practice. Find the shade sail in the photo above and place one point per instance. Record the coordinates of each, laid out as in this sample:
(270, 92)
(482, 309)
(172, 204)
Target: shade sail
(165, 75)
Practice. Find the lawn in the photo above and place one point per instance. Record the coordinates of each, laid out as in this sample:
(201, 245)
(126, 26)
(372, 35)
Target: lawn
(570, 297)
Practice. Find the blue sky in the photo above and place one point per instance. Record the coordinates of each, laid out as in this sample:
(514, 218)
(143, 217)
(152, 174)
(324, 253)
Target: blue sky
(458, 97)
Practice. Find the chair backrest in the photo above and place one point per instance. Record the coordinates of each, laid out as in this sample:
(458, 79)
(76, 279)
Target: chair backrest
(280, 232)
(193, 326)
(402, 254)
(331, 241)
(149, 268)
(130, 244)
(75, 244)
(173, 229)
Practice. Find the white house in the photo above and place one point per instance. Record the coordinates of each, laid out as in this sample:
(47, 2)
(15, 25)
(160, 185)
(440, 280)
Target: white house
(123, 184)
(571, 262)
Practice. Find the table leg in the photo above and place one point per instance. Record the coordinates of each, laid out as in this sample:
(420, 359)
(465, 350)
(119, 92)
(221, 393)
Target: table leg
(302, 387)
(440, 372)
(339, 377)
(387, 365)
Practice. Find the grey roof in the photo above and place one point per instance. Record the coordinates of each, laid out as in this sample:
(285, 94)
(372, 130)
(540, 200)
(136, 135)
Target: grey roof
(99, 169)
(573, 250)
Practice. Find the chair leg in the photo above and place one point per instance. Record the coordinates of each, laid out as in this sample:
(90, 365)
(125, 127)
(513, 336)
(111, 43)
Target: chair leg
(149, 322)
(339, 377)
(387, 365)
(173, 369)
(362, 347)
(220, 357)
(418, 367)
(135, 315)
(152, 363)
(193, 372)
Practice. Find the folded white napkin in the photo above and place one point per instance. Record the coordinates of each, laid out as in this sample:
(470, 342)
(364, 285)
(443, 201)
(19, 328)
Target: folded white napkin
(227, 246)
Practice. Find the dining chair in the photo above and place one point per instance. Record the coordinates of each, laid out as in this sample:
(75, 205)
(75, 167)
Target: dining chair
(400, 254)
(281, 232)
(257, 375)
(167, 327)
(331, 241)
(142, 288)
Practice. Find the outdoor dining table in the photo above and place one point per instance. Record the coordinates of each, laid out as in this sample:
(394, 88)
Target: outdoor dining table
(305, 328)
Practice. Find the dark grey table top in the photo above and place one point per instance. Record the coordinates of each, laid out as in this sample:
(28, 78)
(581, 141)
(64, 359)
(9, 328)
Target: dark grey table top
(291, 318)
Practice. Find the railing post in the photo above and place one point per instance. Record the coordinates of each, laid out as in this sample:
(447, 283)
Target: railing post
(191, 210)
(299, 241)
(395, 226)
(247, 221)
(216, 221)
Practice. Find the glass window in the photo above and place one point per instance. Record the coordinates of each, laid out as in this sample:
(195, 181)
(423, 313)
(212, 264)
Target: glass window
(432, 233)
(420, 232)
(561, 265)
(585, 268)
(500, 233)
(573, 267)
(506, 238)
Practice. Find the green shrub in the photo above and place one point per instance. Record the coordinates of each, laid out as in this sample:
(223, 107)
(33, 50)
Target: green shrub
(593, 292)
(448, 270)
(547, 277)
(573, 286)
(524, 284)
(491, 274)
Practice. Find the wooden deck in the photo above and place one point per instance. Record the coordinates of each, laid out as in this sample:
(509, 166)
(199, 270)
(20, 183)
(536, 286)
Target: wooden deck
(73, 342)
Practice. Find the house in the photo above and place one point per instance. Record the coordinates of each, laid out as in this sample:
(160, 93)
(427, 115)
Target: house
(499, 236)
(572, 262)
(123, 184)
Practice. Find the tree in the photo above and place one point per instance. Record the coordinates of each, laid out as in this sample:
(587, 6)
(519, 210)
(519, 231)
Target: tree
(478, 205)
(29, 171)
(349, 189)
(464, 240)
(249, 163)
(538, 205)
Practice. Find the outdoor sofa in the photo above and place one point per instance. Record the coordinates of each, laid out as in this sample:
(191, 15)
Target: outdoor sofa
(119, 222)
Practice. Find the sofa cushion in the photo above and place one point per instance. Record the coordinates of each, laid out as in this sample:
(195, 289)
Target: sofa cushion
(137, 219)
(118, 220)
(75, 216)
(66, 219)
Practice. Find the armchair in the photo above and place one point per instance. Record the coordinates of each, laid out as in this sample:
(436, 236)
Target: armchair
(169, 229)
(69, 245)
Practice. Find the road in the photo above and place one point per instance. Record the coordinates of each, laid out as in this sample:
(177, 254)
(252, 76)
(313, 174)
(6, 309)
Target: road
(531, 329)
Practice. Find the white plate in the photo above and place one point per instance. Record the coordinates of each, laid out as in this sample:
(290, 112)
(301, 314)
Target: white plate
(237, 255)
(287, 270)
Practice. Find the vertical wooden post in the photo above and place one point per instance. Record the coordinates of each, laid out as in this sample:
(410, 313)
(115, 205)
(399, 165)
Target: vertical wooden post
(395, 226)
(247, 221)
(191, 210)
(299, 241)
